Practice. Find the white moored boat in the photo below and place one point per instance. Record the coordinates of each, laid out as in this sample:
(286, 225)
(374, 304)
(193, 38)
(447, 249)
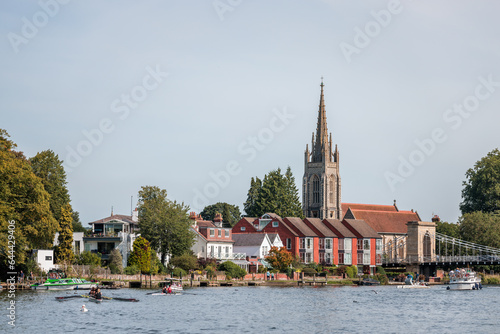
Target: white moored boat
(464, 279)
(64, 284)
(410, 284)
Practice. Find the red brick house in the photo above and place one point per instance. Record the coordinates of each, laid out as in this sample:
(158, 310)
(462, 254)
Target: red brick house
(369, 245)
(347, 242)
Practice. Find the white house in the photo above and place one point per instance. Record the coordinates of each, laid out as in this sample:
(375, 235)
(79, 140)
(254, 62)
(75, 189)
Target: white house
(214, 241)
(44, 258)
(77, 242)
(254, 245)
(115, 231)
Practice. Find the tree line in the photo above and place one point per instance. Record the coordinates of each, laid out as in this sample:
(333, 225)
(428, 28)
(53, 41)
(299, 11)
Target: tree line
(480, 206)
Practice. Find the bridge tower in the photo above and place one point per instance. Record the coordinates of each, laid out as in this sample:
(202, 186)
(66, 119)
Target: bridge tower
(420, 245)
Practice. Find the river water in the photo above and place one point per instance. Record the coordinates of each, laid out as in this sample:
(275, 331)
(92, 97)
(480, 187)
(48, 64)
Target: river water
(262, 310)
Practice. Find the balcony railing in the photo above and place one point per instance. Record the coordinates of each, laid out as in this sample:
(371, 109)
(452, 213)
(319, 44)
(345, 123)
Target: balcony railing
(227, 256)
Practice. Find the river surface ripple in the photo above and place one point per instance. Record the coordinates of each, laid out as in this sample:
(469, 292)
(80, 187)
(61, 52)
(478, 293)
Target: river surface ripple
(383, 309)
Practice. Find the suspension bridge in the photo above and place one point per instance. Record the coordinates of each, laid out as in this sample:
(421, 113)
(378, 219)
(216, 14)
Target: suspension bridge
(431, 250)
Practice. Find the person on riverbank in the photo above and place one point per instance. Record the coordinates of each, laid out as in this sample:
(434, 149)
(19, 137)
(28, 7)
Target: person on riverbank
(268, 275)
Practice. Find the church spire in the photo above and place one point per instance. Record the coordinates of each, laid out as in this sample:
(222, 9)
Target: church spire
(321, 149)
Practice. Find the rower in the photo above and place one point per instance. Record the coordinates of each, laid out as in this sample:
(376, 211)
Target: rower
(169, 290)
(164, 290)
(98, 294)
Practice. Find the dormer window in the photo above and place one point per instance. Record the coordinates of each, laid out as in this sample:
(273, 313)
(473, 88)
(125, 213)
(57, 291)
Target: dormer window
(243, 228)
(212, 232)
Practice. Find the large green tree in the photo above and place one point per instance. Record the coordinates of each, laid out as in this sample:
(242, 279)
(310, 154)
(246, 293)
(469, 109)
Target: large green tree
(164, 223)
(230, 213)
(23, 200)
(64, 251)
(449, 229)
(482, 188)
(481, 227)
(47, 166)
(251, 205)
(278, 194)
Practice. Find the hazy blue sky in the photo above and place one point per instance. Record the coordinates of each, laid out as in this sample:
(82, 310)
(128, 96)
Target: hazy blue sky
(196, 97)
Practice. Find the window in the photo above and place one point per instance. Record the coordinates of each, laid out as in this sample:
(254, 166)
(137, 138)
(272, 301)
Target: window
(378, 258)
(212, 232)
(243, 228)
(347, 258)
(48, 258)
(308, 257)
(309, 243)
(227, 249)
(321, 257)
(348, 244)
(360, 244)
(276, 224)
(366, 258)
(302, 257)
(288, 243)
(202, 249)
(219, 233)
(378, 244)
(360, 259)
(227, 233)
(315, 189)
(341, 258)
(366, 244)
(302, 243)
(331, 190)
(264, 251)
(341, 244)
(321, 243)
(328, 243)
(328, 258)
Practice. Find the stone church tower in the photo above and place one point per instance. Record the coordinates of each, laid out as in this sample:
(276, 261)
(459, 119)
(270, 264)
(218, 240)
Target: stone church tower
(321, 182)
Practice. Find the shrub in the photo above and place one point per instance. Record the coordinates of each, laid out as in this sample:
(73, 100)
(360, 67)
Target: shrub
(492, 280)
(185, 261)
(352, 271)
(309, 271)
(179, 272)
(131, 270)
(232, 269)
(381, 270)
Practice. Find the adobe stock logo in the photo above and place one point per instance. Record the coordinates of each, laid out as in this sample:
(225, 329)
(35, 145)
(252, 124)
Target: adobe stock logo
(121, 106)
(30, 28)
(454, 118)
(373, 28)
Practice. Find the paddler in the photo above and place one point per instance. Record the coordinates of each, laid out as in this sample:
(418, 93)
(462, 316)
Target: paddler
(164, 290)
(98, 294)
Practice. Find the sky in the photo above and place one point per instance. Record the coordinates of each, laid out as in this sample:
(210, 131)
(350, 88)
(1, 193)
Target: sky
(198, 97)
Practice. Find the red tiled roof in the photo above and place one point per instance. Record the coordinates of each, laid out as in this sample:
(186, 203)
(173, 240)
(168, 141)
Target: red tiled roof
(300, 226)
(205, 223)
(374, 207)
(344, 231)
(363, 229)
(386, 222)
(324, 230)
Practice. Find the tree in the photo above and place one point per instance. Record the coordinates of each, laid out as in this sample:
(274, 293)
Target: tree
(481, 228)
(230, 213)
(24, 203)
(77, 224)
(64, 250)
(279, 258)
(185, 261)
(116, 261)
(88, 258)
(278, 194)
(141, 255)
(482, 188)
(47, 166)
(250, 206)
(449, 229)
(164, 223)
